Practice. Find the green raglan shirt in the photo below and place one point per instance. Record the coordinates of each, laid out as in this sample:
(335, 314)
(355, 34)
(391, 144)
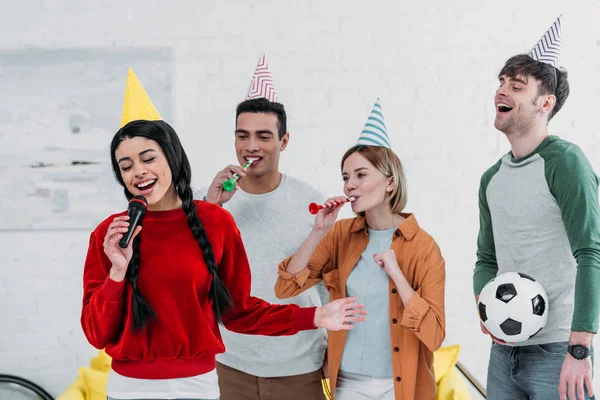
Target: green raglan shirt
(540, 215)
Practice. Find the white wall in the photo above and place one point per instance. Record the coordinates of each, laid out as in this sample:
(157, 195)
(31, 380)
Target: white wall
(434, 65)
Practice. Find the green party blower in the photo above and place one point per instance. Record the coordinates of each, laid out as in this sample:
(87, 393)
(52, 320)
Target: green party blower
(229, 184)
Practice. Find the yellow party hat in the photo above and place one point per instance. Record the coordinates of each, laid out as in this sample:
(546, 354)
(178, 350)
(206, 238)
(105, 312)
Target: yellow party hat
(137, 104)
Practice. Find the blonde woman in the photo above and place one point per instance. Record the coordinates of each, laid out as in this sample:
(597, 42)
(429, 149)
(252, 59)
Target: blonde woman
(394, 266)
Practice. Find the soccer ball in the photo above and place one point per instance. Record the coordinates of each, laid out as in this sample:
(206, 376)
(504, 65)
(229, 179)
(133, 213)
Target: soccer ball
(513, 307)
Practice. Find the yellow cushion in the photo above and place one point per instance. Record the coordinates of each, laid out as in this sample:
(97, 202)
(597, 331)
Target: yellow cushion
(75, 391)
(444, 359)
(95, 383)
(453, 387)
(101, 362)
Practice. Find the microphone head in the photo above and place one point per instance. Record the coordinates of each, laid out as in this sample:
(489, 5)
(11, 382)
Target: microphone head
(139, 202)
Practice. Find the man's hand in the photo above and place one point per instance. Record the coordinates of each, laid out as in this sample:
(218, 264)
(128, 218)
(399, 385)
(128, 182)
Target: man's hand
(215, 193)
(485, 331)
(577, 373)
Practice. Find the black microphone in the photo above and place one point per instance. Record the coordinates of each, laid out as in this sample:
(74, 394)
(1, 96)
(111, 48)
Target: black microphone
(135, 211)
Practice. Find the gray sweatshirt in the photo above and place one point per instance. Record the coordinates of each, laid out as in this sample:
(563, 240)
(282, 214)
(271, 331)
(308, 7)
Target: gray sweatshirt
(273, 227)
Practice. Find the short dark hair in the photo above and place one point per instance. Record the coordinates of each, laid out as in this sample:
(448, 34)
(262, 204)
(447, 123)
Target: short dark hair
(263, 105)
(552, 80)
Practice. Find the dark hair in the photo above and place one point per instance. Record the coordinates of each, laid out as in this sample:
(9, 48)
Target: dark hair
(263, 105)
(167, 139)
(552, 80)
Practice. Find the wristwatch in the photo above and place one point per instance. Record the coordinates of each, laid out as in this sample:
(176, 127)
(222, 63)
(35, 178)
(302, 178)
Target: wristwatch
(579, 352)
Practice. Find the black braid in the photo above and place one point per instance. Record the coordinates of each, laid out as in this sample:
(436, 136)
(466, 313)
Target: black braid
(218, 291)
(141, 309)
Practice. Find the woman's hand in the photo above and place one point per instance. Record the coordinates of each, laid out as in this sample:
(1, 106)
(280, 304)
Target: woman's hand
(387, 260)
(339, 314)
(326, 216)
(119, 257)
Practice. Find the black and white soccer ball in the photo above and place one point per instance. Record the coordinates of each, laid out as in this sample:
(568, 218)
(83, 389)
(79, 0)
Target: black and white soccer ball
(513, 307)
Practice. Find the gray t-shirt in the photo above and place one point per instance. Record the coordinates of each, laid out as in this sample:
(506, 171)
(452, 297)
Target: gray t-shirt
(273, 227)
(368, 346)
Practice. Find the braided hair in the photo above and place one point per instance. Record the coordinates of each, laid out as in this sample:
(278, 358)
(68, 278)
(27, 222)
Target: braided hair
(164, 135)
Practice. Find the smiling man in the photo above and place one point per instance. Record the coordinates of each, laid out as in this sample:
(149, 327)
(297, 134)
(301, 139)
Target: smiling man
(271, 211)
(539, 214)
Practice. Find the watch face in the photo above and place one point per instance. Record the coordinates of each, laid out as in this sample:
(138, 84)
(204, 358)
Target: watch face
(579, 352)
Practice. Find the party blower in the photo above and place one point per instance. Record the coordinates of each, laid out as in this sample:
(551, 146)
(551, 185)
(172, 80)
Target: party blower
(314, 207)
(229, 184)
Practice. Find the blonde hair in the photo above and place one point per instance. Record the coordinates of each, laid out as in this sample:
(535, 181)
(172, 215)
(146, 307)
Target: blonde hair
(388, 163)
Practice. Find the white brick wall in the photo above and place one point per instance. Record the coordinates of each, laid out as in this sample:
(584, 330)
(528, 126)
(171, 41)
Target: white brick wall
(433, 65)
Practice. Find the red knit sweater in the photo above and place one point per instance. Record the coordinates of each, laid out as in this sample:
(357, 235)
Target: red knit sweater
(184, 338)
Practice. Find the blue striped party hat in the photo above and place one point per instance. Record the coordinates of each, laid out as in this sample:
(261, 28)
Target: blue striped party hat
(547, 49)
(375, 132)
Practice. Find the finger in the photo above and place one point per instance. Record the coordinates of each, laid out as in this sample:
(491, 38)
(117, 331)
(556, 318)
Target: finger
(353, 306)
(354, 319)
(571, 386)
(495, 339)
(348, 300)
(341, 200)
(121, 218)
(113, 231)
(113, 240)
(359, 310)
(579, 388)
(235, 169)
(562, 387)
(117, 228)
(347, 327)
(135, 233)
(355, 313)
(227, 175)
(483, 328)
(117, 224)
(328, 210)
(589, 386)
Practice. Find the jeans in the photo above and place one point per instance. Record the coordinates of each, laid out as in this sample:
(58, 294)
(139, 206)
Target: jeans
(526, 372)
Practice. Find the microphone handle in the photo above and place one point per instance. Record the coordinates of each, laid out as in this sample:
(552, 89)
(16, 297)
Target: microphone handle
(135, 216)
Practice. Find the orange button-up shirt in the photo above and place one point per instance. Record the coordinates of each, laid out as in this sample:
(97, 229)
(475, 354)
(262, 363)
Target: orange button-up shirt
(416, 330)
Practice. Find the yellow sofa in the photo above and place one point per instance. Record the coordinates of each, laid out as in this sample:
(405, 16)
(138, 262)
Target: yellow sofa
(91, 382)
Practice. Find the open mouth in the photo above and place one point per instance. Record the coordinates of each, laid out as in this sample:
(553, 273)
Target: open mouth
(503, 107)
(146, 185)
(253, 160)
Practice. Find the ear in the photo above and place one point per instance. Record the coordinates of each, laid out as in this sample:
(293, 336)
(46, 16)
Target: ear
(549, 101)
(390, 184)
(284, 141)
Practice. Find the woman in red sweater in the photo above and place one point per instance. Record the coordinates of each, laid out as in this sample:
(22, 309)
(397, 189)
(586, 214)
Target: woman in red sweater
(155, 306)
